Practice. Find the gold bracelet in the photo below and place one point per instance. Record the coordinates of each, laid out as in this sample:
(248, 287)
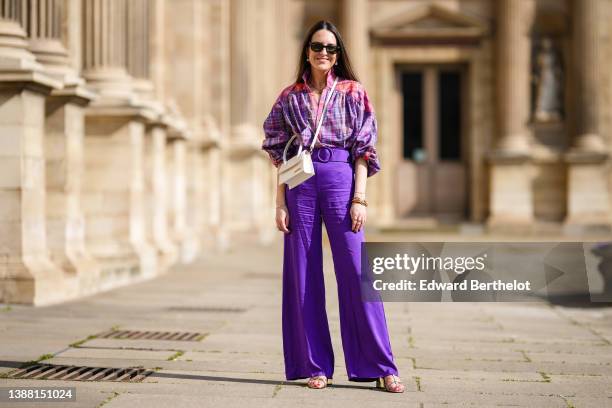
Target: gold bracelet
(357, 200)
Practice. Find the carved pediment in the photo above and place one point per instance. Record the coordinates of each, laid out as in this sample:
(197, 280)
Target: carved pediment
(430, 23)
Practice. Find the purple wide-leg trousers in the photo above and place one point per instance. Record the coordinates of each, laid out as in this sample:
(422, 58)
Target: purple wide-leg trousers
(326, 197)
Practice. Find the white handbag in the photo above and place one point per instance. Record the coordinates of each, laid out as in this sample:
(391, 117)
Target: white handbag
(300, 168)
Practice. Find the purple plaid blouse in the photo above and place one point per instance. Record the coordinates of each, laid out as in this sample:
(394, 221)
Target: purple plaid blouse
(349, 123)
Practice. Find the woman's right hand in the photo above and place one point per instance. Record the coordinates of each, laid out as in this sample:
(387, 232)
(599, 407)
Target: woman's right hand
(282, 218)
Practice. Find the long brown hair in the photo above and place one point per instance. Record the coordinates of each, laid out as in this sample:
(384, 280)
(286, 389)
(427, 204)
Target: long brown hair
(343, 69)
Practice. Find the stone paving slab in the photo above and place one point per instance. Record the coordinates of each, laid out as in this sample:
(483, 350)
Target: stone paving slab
(510, 366)
(242, 342)
(602, 358)
(475, 376)
(467, 399)
(145, 363)
(236, 363)
(503, 336)
(536, 388)
(590, 402)
(78, 352)
(586, 380)
(228, 401)
(472, 355)
(143, 344)
(596, 348)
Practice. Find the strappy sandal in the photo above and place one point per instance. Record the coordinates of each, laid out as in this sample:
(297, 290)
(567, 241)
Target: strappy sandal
(393, 385)
(318, 382)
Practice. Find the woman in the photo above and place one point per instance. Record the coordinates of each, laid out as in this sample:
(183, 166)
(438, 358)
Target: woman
(344, 155)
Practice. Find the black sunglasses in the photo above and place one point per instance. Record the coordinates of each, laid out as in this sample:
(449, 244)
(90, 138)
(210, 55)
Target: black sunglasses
(318, 47)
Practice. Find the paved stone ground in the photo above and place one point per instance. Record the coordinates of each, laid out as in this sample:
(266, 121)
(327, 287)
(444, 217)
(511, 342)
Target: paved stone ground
(449, 354)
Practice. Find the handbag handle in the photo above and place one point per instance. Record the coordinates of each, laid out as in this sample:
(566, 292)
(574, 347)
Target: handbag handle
(314, 140)
(287, 147)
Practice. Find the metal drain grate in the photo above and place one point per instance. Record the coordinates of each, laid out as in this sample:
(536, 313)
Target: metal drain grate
(207, 309)
(151, 335)
(80, 373)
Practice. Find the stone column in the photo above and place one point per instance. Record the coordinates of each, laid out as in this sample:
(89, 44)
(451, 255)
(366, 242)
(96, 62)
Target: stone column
(588, 204)
(72, 34)
(139, 19)
(160, 196)
(157, 43)
(27, 274)
(176, 154)
(115, 130)
(104, 49)
(139, 58)
(220, 110)
(382, 191)
(157, 135)
(267, 91)
(356, 34)
(64, 149)
(211, 168)
(43, 23)
(187, 62)
(63, 143)
(14, 53)
(243, 82)
(214, 70)
(511, 197)
(513, 69)
(245, 139)
(195, 185)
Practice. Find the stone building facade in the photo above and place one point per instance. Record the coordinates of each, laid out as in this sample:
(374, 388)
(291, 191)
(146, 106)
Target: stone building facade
(130, 130)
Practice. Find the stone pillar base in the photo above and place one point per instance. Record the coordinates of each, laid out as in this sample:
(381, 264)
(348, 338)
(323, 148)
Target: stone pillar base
(176, 150)
(64, 156)
(112, 194)
(167, 255)
(14, 53)
(87, 271)
(116, 271)
(26, 271)
(158, 195)
(223, 241)
(508, 225)
(511, 196)
(38, 282)
(245, 172)
(148, 259)
(588, 201)
(190, 248)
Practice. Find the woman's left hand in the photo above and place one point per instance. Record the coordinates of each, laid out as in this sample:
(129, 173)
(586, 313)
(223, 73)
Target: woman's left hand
(358, 216)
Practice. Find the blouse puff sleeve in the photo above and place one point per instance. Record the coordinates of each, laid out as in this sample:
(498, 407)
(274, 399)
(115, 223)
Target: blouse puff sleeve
(365, 131)
(276, 133)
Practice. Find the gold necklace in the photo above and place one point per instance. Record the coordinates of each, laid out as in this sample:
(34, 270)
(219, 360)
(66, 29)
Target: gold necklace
(319, 91)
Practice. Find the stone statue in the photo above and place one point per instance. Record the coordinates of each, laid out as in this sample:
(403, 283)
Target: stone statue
(548, 83)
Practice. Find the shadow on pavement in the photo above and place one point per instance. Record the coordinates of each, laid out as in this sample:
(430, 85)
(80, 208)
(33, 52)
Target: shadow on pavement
(19, 364)
(578, 300)
(249, 380)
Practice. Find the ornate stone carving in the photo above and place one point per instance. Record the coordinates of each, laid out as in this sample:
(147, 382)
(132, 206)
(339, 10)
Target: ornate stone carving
(547, 81)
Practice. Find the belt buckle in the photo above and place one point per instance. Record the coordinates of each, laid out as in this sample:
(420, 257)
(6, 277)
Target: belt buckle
(324, 154)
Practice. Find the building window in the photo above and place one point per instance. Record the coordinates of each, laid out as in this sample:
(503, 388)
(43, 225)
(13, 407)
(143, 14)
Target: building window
(412, 87)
